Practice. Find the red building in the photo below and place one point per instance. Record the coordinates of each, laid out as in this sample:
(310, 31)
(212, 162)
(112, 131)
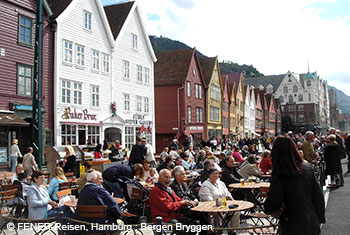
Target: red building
(271, 114)
(17, 37)
(179, 98)
(226, 101)
(259, 123)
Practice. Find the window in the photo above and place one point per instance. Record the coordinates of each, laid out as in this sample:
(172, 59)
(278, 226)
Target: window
(290, 98)
(301, 118)
(281, 99)
(295, 88)
(215, 92)
(199, 115)
(301, 107)
(138, 104)
(134, 41)
(65, 91)
(214, 114)
(290, 108)
(188, 89)
(241, 105)
(308, 83)
(146, 104)
(139, 73)
(87, 20)
(95, 96)
(146, 75)
(189, 115)
(69, 134)
(282, 108)
(126, 69)
(129, 137)
(309, 97)
(198, 90)
(95, 60)
(126, 102)
(94, 134)
(24, 85)
(105, 63)
(77, 91)
(25, 30)
(80, 50)
(67, 51)
(300, 97)
(285, 89)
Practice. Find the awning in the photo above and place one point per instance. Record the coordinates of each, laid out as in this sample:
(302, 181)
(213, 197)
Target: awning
(11, 119)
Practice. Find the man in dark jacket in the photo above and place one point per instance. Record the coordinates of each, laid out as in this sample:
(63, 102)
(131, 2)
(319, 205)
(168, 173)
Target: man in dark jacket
(347, 147)
(113, 178)
(166, 164)
(94, 194)
(138, 152)
(231, 176)
(340, 142)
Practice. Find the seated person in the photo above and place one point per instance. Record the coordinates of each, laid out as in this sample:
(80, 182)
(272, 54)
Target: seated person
(249, 168)
(40, 205)
(166, 164)
(58, 177)
(238, 157)
(207, 164)
(19, 169)
(69, 160)
(20, 200)
(94, 194)
(187, 163)
(164, 202)
(82, 180)
(212, 189)
(265, 163)
(153, 176)
(179, 186)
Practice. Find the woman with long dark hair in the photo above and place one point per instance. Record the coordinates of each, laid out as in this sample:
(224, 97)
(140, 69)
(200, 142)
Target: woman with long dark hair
(294, 191)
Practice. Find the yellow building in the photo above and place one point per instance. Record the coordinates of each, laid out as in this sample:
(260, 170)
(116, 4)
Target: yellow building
(235, 81)
(212, 77)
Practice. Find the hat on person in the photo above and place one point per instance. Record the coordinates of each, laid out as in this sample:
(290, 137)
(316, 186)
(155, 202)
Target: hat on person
(290, 132)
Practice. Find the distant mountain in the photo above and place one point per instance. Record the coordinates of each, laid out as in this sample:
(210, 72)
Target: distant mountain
(343, 100)
(161, 44)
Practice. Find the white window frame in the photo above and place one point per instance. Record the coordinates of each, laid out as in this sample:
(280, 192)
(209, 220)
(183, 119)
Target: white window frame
(95, 96)
(189, 114)
(138, 104)
(134, 41)
(126, 102)
(87, 20)
(93, 134)
(146, 104)
(290, 99)
(129, 137)
(126, 69)
(105, 63)
(188, 89)
(25, 30)
(147, 74)
(295, 88)
(77, 93)
(95, 55)
(65, 91)
(80, 55)
(139, 73)
(24, 80)
(300, 97)
(68, 134)
(67, 52)
(199, 115)
(285, 89)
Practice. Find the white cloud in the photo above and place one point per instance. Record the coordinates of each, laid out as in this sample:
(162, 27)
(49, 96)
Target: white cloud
(275, 36)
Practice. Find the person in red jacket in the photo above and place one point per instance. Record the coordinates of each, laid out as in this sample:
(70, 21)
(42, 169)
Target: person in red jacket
(265, 163)
(164, 202)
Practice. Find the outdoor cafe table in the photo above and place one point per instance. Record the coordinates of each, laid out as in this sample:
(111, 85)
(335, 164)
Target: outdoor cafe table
(210, 207)
(74, 203)
(250, 190)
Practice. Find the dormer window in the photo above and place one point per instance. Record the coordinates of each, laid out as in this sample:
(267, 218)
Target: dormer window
(134, 41)
(269, 89)
(308, 83)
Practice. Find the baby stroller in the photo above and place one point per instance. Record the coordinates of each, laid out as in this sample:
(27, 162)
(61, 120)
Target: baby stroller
(138, 204)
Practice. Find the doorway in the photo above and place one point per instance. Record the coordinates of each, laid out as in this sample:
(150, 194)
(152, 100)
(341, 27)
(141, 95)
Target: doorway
(112, 134)
(82, 134)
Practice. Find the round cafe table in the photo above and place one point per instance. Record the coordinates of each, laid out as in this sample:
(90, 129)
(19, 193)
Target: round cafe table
(249, 185)
(74, 203)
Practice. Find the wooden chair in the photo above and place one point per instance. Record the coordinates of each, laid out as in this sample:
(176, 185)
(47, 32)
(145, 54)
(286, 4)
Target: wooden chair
(69, 175)
(91, 211)
(8, 187)
(64, 193)
(7, 197)
(64, 185)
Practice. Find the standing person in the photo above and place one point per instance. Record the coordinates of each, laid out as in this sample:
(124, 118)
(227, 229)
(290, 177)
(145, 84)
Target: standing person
(294, 185)
(308, 148)
(15, 153)
(29, 163)
(138, 152)
(69, 160)
(149, 152)
(347, 147)
(332, 160)
(340, 142)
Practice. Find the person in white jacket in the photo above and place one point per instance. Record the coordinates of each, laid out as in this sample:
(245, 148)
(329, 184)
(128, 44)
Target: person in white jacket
(149, 154)
(212, 189)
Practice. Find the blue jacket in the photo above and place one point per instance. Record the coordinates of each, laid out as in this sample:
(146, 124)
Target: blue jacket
(38, 200)
(93, 194)
(113, 173)
(54, 187)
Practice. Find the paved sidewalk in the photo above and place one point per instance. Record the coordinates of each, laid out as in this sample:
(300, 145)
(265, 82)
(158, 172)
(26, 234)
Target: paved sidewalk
(338, 209)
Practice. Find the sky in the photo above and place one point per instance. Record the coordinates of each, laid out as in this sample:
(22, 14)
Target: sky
(272, 35)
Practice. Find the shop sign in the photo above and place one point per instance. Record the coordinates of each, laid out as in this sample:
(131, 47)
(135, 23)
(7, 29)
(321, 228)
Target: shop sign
(196, 128)
(138, 119)
(83, 115)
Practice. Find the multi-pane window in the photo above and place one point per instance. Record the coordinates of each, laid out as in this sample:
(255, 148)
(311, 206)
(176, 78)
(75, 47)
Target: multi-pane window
(300, 107)
(146, 104)
(198, 90)
(146, 75)
(290, 98)
(214, 114)
(105, 63)
(126, 102)
(80, 55)
(95, 60)
(301, 118)
(188, 88)
(68, 134)
(199, 115)
(66, 86)
(300, 97)
(95, 96)
(67, 51)
(126, 70)
(134, 41)
(215, 92)
(295, 88)
(189, 114)
(87, 20)
(25, 30)
(138, 103)
(139, 73)
(281, 99)
(77, 93)
(94, 134)
(24, 86)
(285, 89)
(308, 83)
(129, 137)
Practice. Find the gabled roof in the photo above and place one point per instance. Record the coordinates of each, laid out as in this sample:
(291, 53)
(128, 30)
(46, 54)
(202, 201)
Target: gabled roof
(274, 80)
(208, 66)
(58, 6)
(233, 78)
(172, 67)
(303, 76)
(116, 15)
